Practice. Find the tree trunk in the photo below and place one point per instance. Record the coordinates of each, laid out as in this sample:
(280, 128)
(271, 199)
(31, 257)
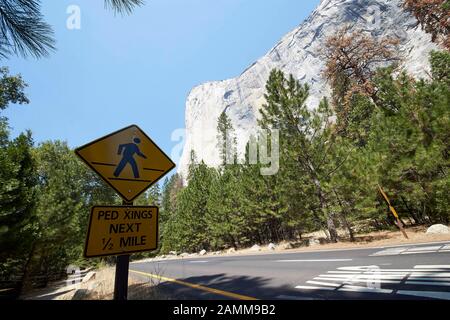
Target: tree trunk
(343, 217)
(26, 270)
(332, 228)
(322, 200)
(330, 221)
(232, 241)
(347, 226)
(411, 213)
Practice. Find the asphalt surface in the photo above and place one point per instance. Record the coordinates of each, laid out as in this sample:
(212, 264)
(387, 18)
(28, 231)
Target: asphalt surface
(388, 273)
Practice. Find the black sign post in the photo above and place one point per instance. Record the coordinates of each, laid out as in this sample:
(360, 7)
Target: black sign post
(121, 277)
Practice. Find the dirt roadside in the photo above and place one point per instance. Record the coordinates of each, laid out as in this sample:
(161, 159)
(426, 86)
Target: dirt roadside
(99, 287)
(416, 235)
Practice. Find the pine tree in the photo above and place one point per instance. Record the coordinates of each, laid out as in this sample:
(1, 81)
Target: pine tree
(309, 136)
(17, 198)
(171, 187)
(17, 188)
(409, 141)
(186, 228)
(434, 17)
(352, 59)
(223, 207)
(224, 220)
(226, 140)
(61, 209)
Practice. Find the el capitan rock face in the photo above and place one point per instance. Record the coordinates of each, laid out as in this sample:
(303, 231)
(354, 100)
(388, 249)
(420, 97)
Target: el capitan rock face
(297, 53)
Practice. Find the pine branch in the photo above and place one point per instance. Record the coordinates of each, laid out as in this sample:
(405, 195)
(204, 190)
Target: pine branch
(123, 6)
(22, 29)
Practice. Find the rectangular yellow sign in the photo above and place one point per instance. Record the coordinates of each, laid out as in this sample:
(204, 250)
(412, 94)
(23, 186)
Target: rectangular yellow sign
(116, 230)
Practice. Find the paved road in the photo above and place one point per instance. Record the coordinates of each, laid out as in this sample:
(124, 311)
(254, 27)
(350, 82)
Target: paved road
(403, 272)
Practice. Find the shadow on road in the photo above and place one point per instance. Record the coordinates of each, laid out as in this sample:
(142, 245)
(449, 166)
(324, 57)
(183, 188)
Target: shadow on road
(242, 285)
(255, 287)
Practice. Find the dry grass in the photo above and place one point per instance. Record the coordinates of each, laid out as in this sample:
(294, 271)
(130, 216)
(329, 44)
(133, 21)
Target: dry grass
(146, 288)
(102, 288)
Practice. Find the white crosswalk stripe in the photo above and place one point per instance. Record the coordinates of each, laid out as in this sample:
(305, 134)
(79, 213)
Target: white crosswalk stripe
(429, 281)
(444, 248)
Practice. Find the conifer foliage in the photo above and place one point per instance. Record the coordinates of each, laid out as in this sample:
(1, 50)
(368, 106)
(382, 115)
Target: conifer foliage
(434, 17)
(396, 134)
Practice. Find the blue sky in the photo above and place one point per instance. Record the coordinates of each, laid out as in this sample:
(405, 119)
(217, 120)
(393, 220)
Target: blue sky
(138, 69)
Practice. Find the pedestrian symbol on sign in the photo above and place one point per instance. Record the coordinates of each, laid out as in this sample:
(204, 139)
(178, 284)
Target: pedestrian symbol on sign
(129, 150)
(128, 160)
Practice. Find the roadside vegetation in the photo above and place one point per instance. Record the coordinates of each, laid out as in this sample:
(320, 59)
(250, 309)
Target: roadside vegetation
(389, 130)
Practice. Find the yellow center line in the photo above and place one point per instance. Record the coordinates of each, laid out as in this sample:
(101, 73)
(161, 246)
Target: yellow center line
(196, 286)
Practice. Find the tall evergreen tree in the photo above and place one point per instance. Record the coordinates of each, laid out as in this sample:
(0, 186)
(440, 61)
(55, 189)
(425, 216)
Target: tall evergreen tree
(308, 133)
(186, 228)
(17, 187)
(17, 198)
(226, 140)
(224, 219)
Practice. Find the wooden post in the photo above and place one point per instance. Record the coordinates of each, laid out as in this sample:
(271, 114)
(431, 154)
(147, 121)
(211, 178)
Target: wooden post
(399, 223)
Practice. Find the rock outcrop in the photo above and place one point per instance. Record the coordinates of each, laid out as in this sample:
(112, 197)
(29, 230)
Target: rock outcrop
(297, 53)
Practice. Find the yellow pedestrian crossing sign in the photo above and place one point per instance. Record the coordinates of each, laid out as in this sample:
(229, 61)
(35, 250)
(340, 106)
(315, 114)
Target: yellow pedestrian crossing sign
(128, 160)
